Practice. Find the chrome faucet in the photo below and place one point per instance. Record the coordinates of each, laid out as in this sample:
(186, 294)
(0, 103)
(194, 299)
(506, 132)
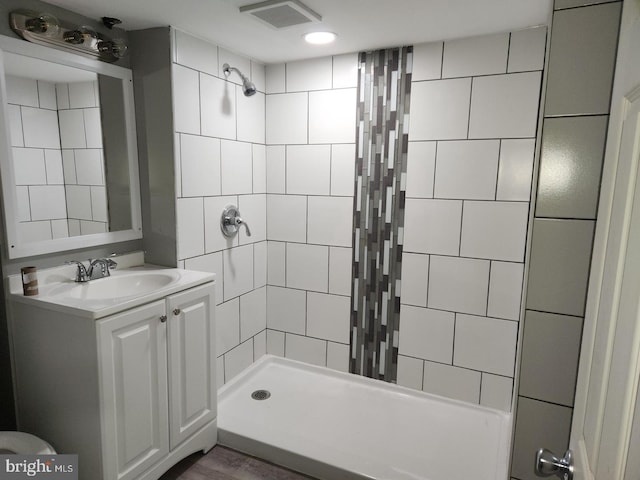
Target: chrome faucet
(84, 274)
(81, 273)
(105, 264)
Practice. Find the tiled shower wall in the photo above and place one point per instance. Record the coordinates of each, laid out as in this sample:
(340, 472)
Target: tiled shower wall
(58, 158)
(220, 160)
(310, 135)
(474, 111)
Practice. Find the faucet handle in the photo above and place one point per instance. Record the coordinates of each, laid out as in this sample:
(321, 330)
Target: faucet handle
(81, 271)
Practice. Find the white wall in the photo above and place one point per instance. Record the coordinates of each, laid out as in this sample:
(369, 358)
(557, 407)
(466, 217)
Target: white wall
(220, 160)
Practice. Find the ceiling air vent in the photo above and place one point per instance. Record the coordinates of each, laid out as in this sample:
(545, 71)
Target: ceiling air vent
(282, 13)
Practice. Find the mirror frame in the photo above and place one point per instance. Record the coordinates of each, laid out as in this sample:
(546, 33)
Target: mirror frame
(16, 249)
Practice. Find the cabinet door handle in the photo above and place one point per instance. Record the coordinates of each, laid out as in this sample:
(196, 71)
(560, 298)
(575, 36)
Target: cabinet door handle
(176, 311)
(163, 318)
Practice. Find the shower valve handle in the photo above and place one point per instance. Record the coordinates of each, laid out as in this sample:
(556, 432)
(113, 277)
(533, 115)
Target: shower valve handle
(230, 221)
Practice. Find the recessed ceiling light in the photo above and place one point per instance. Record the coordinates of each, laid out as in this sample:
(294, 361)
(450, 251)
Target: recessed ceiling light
(320, 38)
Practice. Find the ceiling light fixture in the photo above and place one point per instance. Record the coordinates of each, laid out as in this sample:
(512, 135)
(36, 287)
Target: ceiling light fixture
(319, 38)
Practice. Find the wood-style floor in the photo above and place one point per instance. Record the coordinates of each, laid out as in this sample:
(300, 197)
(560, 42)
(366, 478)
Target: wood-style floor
(222, 463)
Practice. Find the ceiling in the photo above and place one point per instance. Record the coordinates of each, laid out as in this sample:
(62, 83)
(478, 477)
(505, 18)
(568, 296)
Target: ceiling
(359, 24)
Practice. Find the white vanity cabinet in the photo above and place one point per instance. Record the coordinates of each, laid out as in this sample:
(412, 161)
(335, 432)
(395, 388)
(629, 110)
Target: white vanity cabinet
(132, 393)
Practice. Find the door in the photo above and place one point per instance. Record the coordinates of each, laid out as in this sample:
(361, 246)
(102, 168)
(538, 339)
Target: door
(602, 433)
(133, 378)
(192, 361)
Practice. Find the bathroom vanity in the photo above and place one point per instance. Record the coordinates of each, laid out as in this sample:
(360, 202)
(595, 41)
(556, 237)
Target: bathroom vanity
(119, 370)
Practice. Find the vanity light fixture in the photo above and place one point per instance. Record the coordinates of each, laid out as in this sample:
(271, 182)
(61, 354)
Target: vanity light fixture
(319, 38)
(47, 30)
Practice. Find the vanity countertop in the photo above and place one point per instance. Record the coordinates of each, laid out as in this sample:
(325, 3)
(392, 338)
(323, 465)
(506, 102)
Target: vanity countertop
(126, 288)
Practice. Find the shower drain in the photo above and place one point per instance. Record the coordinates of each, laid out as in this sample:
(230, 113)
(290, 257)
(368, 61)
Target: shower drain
(261, 394)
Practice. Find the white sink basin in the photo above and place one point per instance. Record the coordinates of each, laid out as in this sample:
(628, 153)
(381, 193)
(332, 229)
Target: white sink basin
(114, 287)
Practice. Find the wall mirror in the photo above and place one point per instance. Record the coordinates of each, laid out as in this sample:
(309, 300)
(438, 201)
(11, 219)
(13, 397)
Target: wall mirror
(68, 153)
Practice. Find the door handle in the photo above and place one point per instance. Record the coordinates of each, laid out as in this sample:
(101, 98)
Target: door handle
(548, 464)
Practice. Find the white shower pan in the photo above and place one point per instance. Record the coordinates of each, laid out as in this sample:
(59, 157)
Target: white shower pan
(334, 425)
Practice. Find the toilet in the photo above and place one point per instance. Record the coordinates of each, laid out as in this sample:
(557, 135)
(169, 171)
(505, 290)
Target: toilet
(24, 444)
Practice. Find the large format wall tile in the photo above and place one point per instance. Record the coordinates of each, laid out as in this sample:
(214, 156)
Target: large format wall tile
(583, 53)
(473, 56)
(551, 344)
(458, 284)
(538, 425)
(559, 271)
(570, 166)
(426, 334)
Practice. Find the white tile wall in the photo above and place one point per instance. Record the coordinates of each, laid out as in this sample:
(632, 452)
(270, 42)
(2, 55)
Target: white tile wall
(427, 61)
(258, 76)
(89, 167)
(287, 218)
(190, 214)
(53, 163)
(286, 309)
(253, 313)
(452, 382)
(475, 56)
(332, 115)
(505, 290)
(440, 109)
(276, 78)
(260, 264)
(426, 334)
(47, 202)
(238, 359)
(29, 166)
(345, 70)
(82, 95)
(486, 344)
(276, 263)
(238, 271)
(307, 267)
(415, 278)
(15, 123)
(47, 95)
(78, 201)
(516, 169)
(240, 62)
(338, 356)
(199, 165)
(343, 169)
(526, 49)
(458, 284)
(421, 162)
(93, 127)
(340, 270)
(495, 230)
(306, 75)
(259, 168)
(410, 372)
(251, 117)
(286, 118)
(496, 391)
(275, 343)
(236, 166)
(306, 349)
(505, 106)
(227, 326)
(40, 127)
(328, 317)
(196, 54)
(467, 169)
(308, 169)
(186, 100)
(253, 209)
(420, 216)
(330, 221)
(276, 169)
(22, 91)
(259, 345)
(217, 107)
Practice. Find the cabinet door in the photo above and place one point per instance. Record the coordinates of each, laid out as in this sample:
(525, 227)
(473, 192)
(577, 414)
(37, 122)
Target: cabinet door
(192, 361)
(133, 371)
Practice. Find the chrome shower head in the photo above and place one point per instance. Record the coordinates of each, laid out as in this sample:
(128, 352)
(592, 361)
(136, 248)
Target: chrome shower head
(248, 88)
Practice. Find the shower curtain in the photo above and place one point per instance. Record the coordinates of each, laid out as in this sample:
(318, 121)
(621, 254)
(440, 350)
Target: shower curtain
(384, 89)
